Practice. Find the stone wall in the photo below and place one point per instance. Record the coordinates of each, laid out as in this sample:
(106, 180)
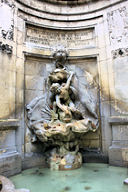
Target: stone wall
(95, 35)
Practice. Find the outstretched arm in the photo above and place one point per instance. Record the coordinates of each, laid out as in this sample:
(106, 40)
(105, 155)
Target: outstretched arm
(69, 80)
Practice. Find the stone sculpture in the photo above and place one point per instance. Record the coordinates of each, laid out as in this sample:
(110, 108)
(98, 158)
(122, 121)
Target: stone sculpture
(66, 111)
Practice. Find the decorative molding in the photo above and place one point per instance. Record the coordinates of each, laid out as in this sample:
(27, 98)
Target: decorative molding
(122, 52)
(118, 120)
(70, 2)
(9, 124)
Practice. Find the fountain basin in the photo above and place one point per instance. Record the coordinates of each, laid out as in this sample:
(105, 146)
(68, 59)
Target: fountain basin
(90, 177)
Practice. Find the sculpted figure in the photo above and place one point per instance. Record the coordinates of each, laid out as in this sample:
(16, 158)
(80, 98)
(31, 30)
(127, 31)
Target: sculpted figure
(66, 109)
(63, 100)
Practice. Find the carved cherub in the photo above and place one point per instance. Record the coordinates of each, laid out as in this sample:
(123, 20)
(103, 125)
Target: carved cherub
(62, 99)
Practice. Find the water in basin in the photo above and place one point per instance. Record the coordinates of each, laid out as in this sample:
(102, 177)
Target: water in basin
(90, 177)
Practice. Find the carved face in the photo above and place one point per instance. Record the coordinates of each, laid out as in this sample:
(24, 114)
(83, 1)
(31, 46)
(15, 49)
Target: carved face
(60, 57)
(54, 88)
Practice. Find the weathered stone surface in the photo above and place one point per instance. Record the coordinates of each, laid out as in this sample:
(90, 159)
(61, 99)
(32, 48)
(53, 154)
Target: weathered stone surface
(117, 20)
(6, 20)
(10, 123)
(32, 160)
(69, 39)
(8, 186)
(10, 164)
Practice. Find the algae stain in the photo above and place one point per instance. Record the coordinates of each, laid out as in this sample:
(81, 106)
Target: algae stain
(87, 188)
(67, 188)
(37, 172)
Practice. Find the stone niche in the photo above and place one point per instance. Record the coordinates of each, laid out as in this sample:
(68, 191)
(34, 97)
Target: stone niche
(39, 67)
(36, 73)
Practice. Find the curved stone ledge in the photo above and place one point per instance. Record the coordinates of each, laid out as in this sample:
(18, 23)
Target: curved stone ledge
(54, 9)
(9, 124)
(118, 120)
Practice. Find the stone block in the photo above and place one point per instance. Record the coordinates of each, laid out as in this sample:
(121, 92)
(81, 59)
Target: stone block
(19, 96)
(104, 108)
(10, 165)
(35, 82)
(94, 157)
(32, 160)
(19, 110)
(4, 110)
(20, 24)
(92, 135)
(19, 51)
(95, 143)
(85, 143)
(106, 131)
(35, 67)
(7, 141)
(20, 37)
(118, 156)
(114, 110)
(20, 65)
(19, 80)
(120, 132)
(4, 95)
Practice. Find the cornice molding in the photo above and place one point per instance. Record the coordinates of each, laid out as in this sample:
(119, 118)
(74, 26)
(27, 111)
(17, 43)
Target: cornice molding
(88, 8)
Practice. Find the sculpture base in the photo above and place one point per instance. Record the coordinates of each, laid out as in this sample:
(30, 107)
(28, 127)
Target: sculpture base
(69, 161)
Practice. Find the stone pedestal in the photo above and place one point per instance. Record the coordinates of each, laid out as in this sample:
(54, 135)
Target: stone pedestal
(69, 161)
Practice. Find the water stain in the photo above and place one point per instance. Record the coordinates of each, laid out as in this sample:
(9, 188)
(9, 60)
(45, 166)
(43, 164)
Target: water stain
(95, 170)
(37, 172)
(83, 182)
(40, 173)
(87, 188)
(67, 188)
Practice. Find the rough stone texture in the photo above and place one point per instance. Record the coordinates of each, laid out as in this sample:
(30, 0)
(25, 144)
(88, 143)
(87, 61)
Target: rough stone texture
(10, 164)
(118, 151)
(83, 39)
(32, 160)
(6, 19)
(94, 157)
(9, 124)
(117, 19)
(118, 155)
(8, 186)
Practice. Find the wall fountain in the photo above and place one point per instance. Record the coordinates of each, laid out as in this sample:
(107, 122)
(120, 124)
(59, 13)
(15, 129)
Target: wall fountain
(66, 112)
